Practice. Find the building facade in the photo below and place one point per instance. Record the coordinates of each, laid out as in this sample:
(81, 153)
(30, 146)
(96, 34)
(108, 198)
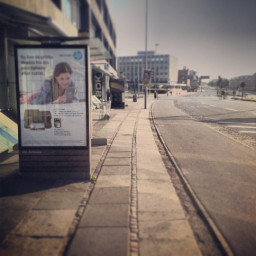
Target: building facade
(183, 76)
(249, 80)
(23, 21)
(164, 67)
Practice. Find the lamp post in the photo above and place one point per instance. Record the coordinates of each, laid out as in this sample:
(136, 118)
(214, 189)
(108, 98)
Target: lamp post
(146, 51)
(156, 47)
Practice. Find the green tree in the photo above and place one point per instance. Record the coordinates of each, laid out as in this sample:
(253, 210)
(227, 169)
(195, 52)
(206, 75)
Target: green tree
(225, 83)
(213, 83)
(220, 82)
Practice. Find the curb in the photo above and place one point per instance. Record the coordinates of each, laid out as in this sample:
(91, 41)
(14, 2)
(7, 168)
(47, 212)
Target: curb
(208, 220)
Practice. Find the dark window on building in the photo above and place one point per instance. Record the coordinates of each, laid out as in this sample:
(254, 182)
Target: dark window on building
(99, 4)
(57, 3)
(106, 18)
(84, 18)
(95, 29)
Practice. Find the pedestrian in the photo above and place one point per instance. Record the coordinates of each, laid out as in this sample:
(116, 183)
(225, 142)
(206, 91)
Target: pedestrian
(155, 94)
(108, 95)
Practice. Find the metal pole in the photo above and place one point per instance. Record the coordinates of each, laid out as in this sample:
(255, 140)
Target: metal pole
(156, 47)
(146, 49)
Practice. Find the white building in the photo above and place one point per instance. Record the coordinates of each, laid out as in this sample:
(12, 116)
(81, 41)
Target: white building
(164, 67)
(249, 80)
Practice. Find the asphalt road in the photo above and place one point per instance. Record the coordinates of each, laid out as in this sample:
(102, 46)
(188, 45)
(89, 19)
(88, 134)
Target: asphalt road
(236, 115)
(219, 165)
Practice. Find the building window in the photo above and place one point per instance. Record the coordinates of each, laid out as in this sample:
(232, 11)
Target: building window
(72, 11)
(99, 4)
(106, 17)
(67, 9)
(57, 3)
(95, 30)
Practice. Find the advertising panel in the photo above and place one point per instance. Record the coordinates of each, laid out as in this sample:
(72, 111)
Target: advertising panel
(117, 85)
(52, 88)
(118, 93)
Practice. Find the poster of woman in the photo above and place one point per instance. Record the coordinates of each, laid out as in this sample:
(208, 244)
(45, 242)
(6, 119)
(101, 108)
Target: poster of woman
(52, 87)
(58, 89)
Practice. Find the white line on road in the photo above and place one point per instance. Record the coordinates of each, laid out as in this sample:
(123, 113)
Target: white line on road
(241, 126)
(212, 106)
(223, 122)
(247, 131)
(231, 109)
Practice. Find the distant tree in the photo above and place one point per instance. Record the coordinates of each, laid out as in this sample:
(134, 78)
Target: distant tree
(213, 82)
(220, 82)
(225, 83)
(242, 85)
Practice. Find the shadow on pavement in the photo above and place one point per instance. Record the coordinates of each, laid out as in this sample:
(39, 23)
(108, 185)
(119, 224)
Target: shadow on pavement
(12, 183)
(16, 184)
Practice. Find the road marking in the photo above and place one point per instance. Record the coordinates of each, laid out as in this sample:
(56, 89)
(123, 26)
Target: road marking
(212, 106)
(241, 126)
(223, 122)
(247, 131)
(231, 109)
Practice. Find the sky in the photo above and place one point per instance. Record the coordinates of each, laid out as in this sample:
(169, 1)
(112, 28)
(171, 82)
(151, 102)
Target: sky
(212, 37)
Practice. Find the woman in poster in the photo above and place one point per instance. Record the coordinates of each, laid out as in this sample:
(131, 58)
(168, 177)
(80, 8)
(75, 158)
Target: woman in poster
(58, 90)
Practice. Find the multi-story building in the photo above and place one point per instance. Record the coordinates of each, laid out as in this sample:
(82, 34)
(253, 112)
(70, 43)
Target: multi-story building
(183, 76)
(22, 21)
(249, 80)
(163, 67)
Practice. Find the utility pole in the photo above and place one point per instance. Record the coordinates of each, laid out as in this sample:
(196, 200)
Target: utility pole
(156, 47)
(146, 50)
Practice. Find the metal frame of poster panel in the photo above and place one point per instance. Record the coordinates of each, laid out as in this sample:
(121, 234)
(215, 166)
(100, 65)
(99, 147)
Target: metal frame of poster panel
(53, 103)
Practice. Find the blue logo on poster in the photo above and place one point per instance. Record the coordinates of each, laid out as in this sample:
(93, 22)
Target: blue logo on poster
(77, 55)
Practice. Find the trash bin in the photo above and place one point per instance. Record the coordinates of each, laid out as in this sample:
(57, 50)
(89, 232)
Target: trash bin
(134, 98)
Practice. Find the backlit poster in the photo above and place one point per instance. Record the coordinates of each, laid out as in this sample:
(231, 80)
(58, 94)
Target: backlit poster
(52, 92)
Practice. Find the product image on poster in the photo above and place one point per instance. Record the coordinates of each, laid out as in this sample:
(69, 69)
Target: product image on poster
(52, 86)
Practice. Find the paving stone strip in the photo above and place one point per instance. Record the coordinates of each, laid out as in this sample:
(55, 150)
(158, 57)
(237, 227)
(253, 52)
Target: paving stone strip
(133, 221)
(104, 226)
(162, 224)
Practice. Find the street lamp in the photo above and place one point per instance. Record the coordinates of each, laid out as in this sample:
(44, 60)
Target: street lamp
(156, 47)
(146, 50)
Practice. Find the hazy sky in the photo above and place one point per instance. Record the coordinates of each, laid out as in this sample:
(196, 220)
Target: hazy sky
(212, 37)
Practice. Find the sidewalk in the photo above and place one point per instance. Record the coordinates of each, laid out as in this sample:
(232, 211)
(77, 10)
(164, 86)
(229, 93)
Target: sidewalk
(131, 208)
